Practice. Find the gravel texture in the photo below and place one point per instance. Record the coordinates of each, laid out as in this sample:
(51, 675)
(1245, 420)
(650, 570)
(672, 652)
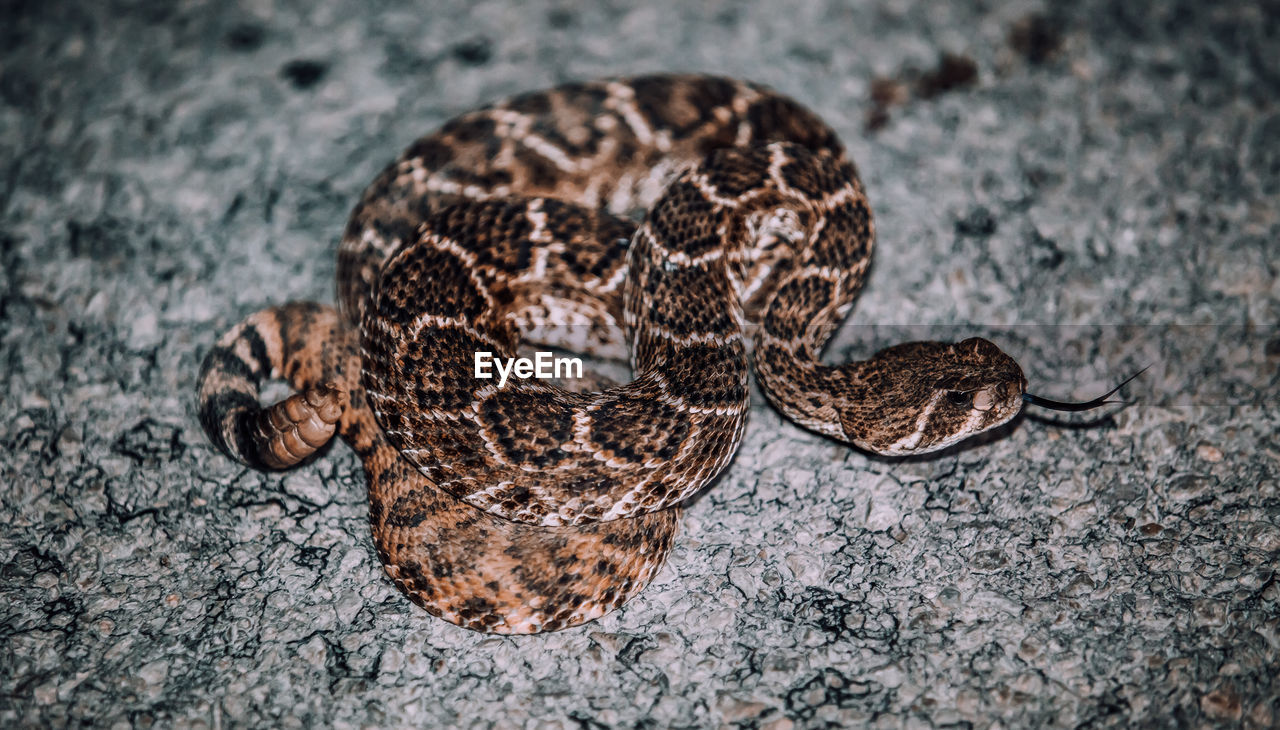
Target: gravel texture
(1041, 175)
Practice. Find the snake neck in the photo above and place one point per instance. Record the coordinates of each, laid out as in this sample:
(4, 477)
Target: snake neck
(797, 384)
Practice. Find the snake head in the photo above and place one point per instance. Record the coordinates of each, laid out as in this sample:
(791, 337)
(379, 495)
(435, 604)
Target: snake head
(919, 397)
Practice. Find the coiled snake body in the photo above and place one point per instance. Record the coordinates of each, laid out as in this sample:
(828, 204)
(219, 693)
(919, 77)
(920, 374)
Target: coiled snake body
(532, 507)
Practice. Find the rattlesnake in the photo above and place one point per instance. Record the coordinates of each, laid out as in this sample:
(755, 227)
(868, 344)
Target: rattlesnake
(533, 507)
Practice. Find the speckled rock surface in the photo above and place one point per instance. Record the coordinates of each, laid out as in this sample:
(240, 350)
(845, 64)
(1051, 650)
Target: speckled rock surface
(168, 167)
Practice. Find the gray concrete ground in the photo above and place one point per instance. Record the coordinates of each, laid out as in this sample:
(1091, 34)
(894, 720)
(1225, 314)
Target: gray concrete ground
(168, 167)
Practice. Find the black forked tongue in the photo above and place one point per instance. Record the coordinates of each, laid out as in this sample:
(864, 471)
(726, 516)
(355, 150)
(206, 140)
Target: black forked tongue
(1101, 400)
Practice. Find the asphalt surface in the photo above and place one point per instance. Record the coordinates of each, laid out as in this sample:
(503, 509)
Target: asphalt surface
(1092, 185)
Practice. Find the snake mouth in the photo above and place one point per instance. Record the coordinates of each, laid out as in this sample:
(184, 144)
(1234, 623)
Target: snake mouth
(1101, 400)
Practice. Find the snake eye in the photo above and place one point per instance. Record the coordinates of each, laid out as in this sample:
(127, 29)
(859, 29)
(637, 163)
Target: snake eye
(961, 398)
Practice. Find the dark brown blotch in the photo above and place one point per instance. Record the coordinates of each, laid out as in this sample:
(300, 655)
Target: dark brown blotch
(776, 119)
(794, 305)
(685, 220)
(470, 128)
(528, 427)
(737, 171)
(845, 239)
(635, 428)
(433, 153)
(426, 280)
(812, 176)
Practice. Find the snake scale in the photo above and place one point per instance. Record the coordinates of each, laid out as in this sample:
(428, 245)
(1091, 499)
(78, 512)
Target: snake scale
(536, 506)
